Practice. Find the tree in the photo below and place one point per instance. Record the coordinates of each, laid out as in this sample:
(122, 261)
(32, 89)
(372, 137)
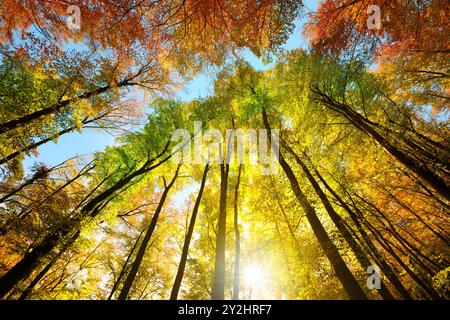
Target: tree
(237, 253)
(350, 284)
(438, 183)
(187, 239)
(362, 258)
(218, 289)
(338, 204)
(404, 26)
(89, 208)
(134, 268)
(176, 25)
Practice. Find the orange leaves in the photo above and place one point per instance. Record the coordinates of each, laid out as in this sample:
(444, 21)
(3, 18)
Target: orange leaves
(192, 27)
(405, 25)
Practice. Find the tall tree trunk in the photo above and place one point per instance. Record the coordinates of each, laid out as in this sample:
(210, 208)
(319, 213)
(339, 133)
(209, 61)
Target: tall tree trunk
(351, 286)
(218, 289)
(410, 248)
(412, 164)
(123, 271)
(237, 258)
(387, 246)
(360, 255)
(419, 218)
(285, 218)
(187, 239)
(143, 247)
(284, 251)
(384, 266)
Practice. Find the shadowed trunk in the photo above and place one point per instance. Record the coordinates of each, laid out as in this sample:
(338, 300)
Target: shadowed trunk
(384, 266)
(31, 260)
(351, 286)
(360, 255)
(434, 180)
(187, 239)
(44, 141)
(143, 247)
(57, 107)
(218, 289)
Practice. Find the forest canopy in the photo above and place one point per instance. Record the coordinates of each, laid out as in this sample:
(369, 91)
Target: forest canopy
(323, 175)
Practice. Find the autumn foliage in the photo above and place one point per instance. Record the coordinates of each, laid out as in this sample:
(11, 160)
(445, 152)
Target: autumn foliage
(356, 124)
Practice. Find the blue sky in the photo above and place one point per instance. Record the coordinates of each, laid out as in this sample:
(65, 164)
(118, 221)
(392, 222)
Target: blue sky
(88, 141)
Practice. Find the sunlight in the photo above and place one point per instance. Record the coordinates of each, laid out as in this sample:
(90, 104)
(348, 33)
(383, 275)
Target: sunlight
(254, 275)
(249, 150)
(255, 279)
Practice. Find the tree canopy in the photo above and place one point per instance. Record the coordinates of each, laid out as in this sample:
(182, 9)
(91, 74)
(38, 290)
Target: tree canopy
(357, 123)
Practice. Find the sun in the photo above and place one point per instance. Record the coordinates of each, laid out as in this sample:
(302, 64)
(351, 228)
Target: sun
(256, 282)
(254, 275)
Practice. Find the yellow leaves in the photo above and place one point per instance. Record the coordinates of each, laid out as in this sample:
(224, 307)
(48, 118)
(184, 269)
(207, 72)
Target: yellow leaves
(165, 61)
(235, 106)
(84, 109)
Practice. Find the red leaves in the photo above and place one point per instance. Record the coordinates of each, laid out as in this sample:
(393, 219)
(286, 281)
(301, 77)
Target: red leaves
(405, 26)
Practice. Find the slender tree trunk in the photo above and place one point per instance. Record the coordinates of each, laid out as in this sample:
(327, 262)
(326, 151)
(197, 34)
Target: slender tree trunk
(410, 248)
(384, 266)
(143, 247)
(351, 286)
(415, 254)
(124, 267)
(360, 255)
(187, 239)
(237, 259)
(385, 244)
(285, 218)
(25, 266)
(218, 289)
(13, 192)
(412, 164)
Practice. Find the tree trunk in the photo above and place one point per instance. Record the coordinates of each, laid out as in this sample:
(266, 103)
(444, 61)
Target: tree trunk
(347, 279)
(44, 141)
(218, 289)
(124, 267)
(44, 271)
(360, 255)
(25, 266)
(420, 169)
(237, 259)
(143, 247)
(410, 248)
(384, 266)
(385, 244)
(187, 239)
